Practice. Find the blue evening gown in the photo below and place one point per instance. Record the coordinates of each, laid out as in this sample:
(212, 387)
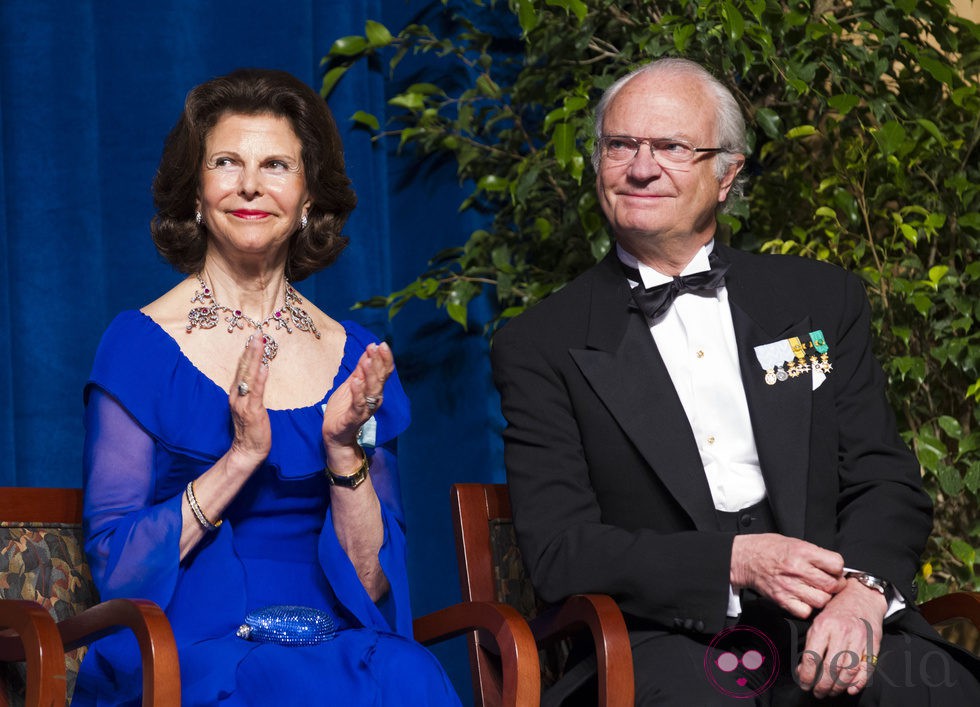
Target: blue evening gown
(155, 422)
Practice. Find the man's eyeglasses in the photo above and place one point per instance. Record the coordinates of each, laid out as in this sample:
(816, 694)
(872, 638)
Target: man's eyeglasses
(670, 153)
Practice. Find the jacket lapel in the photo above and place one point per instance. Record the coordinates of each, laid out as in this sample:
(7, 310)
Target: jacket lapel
(781, 412)
(622, 364)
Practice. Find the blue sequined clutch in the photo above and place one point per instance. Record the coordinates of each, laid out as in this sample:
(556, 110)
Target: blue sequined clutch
(288, 626)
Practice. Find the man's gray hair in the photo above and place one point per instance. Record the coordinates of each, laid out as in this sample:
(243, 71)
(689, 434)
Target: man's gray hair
(729, 122)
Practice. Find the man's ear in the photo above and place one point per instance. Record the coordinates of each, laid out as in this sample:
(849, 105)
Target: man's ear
(725, 184)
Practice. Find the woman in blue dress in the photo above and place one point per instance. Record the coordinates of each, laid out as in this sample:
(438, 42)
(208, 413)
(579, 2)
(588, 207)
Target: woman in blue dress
(240, 443)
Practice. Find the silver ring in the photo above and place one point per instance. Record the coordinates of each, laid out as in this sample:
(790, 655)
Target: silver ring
(372, 402)
(243, 388)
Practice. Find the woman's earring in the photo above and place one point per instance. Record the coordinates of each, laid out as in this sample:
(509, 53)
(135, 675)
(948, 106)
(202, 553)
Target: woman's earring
(198, 219)
(302, 222)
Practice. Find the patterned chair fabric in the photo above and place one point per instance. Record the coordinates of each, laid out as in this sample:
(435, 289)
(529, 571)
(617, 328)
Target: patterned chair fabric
(44, 563)
(514, 588)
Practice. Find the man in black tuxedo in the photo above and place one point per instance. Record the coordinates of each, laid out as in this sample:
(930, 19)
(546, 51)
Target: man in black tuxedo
(716, 451)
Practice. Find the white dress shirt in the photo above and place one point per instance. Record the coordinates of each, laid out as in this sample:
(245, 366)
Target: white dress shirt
(696, 339)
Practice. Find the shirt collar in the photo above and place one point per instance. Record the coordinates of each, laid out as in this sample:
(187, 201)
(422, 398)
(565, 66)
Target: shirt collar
(652, 277)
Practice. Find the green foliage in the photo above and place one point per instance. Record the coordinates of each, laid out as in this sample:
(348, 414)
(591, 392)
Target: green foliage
(864, 126)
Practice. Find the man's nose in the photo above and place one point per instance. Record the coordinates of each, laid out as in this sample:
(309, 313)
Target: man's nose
(644, 165)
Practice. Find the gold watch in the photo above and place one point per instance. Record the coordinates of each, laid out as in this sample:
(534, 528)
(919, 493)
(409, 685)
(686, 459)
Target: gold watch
(349, 481)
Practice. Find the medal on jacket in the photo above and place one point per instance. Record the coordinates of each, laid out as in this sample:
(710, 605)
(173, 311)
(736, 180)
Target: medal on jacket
(820, 346)
(772, 357)
(798, 366)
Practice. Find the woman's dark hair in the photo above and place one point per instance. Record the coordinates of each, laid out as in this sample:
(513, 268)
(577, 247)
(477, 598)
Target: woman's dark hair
(253, 92)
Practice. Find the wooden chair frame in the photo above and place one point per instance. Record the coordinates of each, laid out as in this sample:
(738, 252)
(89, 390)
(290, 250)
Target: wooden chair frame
(36, 638)
(474, 507)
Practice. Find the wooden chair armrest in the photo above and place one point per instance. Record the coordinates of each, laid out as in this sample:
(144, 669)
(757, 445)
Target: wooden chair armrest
(958, 605)
(614, 656)
(34, 638)
(519, 654)
(158, 650)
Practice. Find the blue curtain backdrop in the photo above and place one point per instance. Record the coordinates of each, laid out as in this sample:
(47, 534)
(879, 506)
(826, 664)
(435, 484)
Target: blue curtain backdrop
(88, 91)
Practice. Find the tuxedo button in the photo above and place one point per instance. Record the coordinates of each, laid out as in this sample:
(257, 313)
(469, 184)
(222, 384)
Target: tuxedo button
(745, 520)
(699, 626)
(678, 623)
(700, 354)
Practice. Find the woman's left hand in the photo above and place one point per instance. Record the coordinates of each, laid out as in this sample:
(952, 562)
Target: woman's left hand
(353, 403)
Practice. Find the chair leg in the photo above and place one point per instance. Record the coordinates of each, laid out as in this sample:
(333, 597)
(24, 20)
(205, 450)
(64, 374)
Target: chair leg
(39, 643)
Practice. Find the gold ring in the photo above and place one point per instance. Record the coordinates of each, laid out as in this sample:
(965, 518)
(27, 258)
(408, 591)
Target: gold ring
(872, 659)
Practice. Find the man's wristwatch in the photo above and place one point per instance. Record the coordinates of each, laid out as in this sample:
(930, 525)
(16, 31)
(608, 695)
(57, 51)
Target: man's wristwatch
(870, 581)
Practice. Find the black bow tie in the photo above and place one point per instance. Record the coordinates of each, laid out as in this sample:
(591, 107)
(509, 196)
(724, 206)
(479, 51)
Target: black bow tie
(654, 301)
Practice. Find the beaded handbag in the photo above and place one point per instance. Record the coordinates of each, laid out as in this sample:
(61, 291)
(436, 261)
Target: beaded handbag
(288, 626)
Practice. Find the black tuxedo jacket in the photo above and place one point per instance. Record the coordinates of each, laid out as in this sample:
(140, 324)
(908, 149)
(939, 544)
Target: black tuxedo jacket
(607, 485)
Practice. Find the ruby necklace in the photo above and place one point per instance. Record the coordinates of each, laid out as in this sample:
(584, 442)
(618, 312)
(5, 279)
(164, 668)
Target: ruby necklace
(286, 317)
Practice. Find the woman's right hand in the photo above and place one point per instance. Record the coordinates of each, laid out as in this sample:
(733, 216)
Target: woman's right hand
(253, 435)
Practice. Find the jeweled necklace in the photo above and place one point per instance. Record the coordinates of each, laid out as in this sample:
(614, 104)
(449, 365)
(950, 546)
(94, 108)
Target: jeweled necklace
(206, 317)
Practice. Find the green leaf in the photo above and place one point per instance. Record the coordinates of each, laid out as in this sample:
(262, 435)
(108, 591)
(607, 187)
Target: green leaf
(970, 220)
(801, 131)
(929, 450)
(412, 101)
(951, 426)
(367, 119)
(890, 137)
(682, 35)
(931, 128)
(938, 70)
(949, 480)
(972, 478)
(923, 304)
(563, 139)
(493, 183)
(969, 443)
(973, 391)
(577, 7)
(349, 46)
(769, 121)
(425, 89)
(330, 80)
(527, 16)
(844, 103)
(457, 312)
(377, 34)
(734, 22)
(963, 552)
(936, 273)
(909, 233)
(487, 86)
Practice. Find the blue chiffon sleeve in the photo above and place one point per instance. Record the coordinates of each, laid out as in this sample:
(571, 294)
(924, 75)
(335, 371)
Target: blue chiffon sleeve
(132, 543)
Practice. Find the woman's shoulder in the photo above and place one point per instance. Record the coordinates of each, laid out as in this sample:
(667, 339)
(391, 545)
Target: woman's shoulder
(360, 336)
(129, 331)
(137, 355)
